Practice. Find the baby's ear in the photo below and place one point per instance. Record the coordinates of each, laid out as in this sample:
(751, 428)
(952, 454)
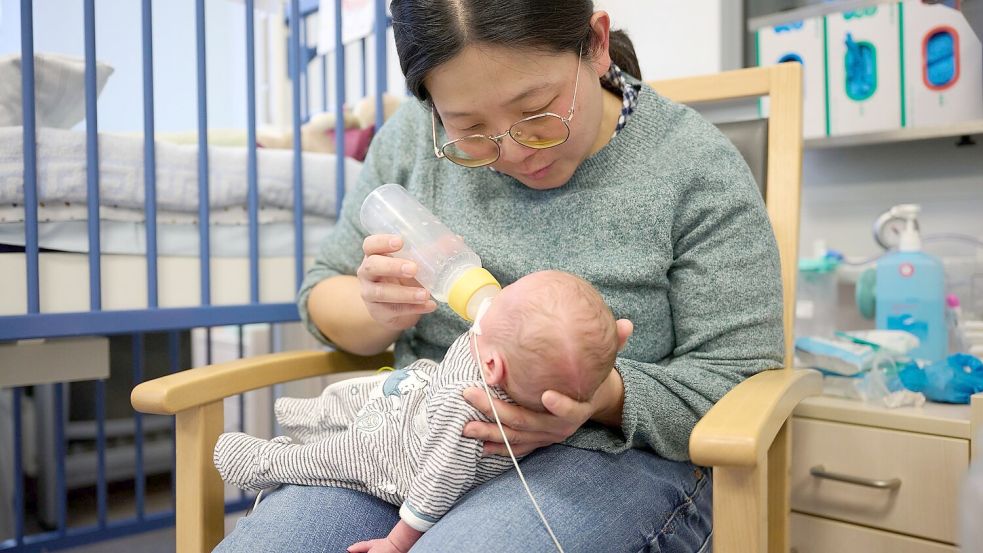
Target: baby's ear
(494, 368)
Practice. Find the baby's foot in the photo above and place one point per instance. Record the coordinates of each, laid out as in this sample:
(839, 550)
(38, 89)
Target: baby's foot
(245, 461)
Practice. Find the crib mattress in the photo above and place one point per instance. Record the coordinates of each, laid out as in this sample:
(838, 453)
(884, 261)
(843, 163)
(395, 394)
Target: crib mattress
(65, 229)
(62, 163)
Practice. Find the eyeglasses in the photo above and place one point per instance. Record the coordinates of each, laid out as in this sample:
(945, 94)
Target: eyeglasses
(545, 130)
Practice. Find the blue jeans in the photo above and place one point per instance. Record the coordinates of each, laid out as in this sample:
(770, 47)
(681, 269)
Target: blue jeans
(631, 502)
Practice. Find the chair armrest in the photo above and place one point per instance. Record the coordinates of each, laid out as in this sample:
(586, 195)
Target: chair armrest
(170, 394)
(740, 428)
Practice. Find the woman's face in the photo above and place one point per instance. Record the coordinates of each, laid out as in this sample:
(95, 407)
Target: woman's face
(485, 89)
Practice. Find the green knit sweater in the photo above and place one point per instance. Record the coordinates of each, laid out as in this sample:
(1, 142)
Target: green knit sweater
(666, 222)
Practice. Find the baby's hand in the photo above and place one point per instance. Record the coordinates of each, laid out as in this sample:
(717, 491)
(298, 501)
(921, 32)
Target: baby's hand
(381, 545)
(400, 540)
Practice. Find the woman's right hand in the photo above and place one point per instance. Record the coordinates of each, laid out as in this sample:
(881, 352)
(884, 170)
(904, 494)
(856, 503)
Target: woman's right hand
(391, 294)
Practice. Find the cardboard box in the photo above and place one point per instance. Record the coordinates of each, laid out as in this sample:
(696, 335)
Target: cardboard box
(943, 66)
(863, 57)
(800, 41)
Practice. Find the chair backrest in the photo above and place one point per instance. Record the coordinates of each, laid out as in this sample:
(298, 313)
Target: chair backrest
(751, 139)
(782, 160)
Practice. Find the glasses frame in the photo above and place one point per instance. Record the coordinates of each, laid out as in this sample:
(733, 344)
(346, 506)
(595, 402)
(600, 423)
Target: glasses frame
(497, 139)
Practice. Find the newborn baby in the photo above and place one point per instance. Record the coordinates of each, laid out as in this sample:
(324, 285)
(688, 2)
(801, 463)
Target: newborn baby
(397, 435)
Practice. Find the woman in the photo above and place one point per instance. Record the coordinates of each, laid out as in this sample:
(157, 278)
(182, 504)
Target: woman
(533, 140)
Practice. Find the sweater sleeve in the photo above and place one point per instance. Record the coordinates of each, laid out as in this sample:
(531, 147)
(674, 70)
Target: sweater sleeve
(725, 296)
(341, 250)
(448, 463)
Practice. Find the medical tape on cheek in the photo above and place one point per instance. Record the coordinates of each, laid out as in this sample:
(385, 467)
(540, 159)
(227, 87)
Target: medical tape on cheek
(475, 332)
(482, 309)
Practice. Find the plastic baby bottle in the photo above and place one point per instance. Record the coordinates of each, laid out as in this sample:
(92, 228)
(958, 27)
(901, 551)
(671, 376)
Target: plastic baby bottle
(446, 266)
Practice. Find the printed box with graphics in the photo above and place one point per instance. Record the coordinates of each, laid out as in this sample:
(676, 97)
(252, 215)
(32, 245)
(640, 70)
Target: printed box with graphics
(943, 66)
(799, 41)
(863, 57)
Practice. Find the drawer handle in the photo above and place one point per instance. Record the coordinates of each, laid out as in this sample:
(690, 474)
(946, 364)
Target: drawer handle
(819, 471)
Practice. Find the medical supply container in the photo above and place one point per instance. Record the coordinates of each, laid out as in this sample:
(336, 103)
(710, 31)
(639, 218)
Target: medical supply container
(863, 61)
(911, 292)
(800, 41)
(943, 66)
(817, 297)
(446, 266)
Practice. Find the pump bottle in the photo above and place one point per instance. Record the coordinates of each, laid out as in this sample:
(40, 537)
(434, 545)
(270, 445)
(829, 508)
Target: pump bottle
(446, 266)
(911, 291)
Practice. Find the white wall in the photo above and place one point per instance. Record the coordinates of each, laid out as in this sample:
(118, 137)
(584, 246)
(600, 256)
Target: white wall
(677, 39)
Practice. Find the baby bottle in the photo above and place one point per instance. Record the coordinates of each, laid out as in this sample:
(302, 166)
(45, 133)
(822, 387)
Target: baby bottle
(446, 266)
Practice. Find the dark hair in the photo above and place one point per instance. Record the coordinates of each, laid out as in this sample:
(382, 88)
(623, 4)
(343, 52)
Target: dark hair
(431, 32)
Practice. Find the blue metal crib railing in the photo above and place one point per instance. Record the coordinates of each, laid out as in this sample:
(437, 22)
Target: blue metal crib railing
(136, 323)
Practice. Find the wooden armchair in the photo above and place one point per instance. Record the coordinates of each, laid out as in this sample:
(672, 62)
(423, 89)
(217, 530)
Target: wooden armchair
(745, 437)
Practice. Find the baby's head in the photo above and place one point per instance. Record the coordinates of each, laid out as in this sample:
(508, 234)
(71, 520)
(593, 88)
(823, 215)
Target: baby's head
(548, 331)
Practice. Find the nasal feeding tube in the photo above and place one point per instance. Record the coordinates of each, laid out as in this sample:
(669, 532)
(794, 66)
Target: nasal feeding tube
(475, 332)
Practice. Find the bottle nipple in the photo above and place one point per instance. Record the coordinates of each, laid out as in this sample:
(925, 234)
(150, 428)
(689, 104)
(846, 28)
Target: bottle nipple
(470, 289)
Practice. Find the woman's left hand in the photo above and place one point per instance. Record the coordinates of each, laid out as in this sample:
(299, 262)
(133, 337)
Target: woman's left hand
(526, 429)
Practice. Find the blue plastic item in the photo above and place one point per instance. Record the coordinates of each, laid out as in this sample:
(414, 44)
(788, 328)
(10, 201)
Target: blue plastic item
(791, 57)
(864, 293)
(834, 355)
(861, 69)
(953, 380)
(941, 64)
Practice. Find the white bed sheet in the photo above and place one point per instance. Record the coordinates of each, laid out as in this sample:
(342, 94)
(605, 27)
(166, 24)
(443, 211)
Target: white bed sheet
(62, 163)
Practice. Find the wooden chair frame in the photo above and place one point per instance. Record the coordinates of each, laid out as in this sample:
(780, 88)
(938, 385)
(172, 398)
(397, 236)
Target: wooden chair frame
(745, 437)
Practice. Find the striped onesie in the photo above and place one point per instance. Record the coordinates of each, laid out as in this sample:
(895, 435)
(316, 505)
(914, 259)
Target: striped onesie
(396, 435)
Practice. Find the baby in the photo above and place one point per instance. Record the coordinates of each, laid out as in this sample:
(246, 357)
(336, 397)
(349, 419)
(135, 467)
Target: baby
(397, 435)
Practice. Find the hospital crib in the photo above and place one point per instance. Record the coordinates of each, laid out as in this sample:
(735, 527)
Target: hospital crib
(146, 308)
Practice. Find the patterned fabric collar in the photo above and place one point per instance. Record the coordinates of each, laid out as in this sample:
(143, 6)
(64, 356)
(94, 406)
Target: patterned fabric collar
(615, 81)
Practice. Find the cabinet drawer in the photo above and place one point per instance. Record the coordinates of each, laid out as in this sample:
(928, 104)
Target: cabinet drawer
(819, 535)
(929, 469)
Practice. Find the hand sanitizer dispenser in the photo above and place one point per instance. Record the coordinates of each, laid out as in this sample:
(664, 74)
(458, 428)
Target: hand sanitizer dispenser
(911, 291)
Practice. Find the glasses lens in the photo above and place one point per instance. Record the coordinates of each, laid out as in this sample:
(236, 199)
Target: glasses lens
(474, 151)
(544, 131)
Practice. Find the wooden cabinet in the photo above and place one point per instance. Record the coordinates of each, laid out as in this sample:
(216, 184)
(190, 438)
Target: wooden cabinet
(820, 535)
(870, 479)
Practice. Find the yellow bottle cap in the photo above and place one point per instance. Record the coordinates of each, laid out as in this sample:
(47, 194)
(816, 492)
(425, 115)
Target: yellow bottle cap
(466, 286)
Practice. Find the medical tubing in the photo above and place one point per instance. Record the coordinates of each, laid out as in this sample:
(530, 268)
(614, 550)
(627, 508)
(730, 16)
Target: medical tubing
(934, 238)
(953, 237)
(515, 462)
(867, 261)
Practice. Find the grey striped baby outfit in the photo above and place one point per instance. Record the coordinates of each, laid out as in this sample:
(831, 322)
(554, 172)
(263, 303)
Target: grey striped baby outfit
(396, 435)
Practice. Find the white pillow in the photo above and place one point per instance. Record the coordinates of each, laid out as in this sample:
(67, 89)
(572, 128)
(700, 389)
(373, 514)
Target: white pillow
(59, 84)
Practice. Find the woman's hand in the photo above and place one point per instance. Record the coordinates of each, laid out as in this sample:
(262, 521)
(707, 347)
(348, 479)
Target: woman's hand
(529, 430)
(392, 296)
